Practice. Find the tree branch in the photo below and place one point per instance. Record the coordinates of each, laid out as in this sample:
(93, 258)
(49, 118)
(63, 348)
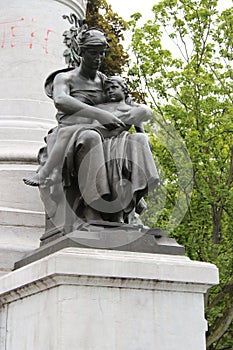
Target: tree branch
(221, 328)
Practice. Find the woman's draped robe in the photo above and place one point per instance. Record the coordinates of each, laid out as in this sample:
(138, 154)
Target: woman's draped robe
(109, 173)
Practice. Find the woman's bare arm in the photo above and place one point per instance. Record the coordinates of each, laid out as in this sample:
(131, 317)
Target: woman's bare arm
(138, 114)
(70, 105)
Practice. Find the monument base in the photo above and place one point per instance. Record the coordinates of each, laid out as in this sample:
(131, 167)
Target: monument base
(94, 299)
(112, 236)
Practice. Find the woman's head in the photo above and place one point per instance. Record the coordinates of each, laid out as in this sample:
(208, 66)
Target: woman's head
(91, 38)
(80, 39)
(92, 45)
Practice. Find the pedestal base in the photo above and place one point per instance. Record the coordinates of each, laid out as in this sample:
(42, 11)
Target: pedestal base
(123, 238)
(91, 299)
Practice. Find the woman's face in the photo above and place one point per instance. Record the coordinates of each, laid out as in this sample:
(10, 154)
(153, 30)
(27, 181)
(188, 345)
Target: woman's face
(93, 56)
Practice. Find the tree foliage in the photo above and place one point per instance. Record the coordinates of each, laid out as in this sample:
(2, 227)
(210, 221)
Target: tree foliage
(100, 15)
(190, 88)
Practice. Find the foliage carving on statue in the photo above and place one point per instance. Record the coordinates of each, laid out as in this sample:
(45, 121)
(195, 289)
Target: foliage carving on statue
(71, 55)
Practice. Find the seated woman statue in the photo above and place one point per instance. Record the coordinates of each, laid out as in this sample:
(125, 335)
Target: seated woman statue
(112, 168)
(130, 113)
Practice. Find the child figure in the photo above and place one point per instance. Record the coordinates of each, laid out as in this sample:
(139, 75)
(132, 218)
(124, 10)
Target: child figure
(127, 113)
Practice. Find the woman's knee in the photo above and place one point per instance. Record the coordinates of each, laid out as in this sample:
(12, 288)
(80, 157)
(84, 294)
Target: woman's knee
(64, 133)
(91, 137)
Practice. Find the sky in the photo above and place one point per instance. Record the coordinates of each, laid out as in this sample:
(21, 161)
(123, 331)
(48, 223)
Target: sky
(127, 7)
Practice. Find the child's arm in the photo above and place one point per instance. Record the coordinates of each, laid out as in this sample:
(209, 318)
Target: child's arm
(140, 114)
(65, 102)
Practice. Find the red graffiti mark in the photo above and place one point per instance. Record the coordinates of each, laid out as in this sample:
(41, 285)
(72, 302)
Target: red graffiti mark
(45, 47)
(4, 34)
(3, 39)
(32, 35)
(13, 35)
(12, 31)
(24, 32)
(16, 20)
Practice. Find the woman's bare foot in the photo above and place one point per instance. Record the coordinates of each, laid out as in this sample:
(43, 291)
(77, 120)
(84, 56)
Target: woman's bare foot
(37, 181)
(33, 181)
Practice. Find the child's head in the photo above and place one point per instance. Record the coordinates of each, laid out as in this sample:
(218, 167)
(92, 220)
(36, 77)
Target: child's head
(116, 89)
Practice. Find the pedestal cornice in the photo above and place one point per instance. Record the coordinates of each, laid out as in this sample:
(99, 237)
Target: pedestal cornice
(112, 269)
(79, 6)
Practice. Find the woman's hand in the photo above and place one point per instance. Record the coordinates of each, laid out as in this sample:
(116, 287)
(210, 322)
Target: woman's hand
(113, 123)
(110, 121)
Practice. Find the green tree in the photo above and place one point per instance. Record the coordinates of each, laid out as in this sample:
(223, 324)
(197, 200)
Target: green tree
(100, 15)
(190, 90)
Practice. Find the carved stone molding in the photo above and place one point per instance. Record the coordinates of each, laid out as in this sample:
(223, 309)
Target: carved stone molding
(79, 6)
(110, 269)
(124, 300)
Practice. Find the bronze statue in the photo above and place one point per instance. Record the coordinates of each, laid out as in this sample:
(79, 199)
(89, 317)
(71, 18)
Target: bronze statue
(104, 171)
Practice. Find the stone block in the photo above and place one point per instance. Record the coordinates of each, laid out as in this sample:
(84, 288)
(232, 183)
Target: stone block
(94, 299)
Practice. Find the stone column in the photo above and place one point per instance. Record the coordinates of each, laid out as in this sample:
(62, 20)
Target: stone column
(90, 299)
(31, 48)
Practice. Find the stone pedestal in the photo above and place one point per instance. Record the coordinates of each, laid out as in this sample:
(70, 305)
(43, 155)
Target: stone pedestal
(91, 299)
(31, 48)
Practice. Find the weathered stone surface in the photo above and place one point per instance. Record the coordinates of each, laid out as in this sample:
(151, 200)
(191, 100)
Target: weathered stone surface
(31, 46)
(101, 300)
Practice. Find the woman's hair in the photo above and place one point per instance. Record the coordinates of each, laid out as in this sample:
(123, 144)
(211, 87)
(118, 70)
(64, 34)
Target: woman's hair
(91, 37)
(79, 37)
